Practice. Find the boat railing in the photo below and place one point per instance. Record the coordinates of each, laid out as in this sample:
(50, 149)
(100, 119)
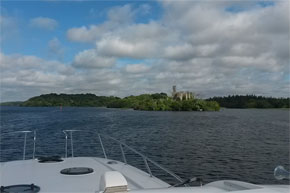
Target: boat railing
(145, 158)
(69, 133)
(69, 141)
(25, 135)
(122, 145)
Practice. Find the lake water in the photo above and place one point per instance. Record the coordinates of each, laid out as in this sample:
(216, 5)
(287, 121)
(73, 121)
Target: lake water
(231, 144)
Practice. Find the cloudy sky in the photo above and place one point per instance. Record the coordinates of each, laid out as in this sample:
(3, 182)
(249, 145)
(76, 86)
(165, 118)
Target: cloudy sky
(121, 48)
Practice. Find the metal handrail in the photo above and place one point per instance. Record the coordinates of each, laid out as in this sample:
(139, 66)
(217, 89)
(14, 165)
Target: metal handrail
(145, 159)
(25, 141)
(103, 148)
(122, 146)
(70, 132)
(69, 135)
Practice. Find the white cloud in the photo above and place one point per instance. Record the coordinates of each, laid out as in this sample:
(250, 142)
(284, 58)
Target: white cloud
(18, 61)
(137, 68)
(117, 47)
(198, 46)
(180, 52)
(55, 48)
(121, 14)
(91, 59)
(118, 17)
(115, 81)
(9, 27)
(44, 23)
(84, 34)
(25, 76)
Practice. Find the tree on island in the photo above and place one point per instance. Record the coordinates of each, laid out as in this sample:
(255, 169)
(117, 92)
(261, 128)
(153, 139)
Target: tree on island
(148, 102)
(155, 102)
(251, 101)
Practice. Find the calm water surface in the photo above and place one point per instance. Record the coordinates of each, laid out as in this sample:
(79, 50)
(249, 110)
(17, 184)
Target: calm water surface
(231, 144)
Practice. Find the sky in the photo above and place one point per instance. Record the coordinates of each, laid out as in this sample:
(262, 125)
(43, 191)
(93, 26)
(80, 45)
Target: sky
(122, 48)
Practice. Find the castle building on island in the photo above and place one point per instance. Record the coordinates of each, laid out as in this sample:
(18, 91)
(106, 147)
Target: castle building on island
(182, 95)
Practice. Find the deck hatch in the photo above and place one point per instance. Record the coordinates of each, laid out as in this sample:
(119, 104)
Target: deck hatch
(77, 171)
(20, 188)
(112, 162)
(50, 159)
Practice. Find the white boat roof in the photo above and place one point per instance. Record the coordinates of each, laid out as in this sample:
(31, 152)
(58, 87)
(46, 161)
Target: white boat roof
(48, 177)
(102, 175)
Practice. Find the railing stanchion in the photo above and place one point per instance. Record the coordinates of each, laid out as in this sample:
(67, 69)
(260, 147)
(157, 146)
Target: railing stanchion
(24, 142)
(34, 141)
(65, 148)
(71, 144)
(105, 155)
(24, 145)
(70, 133)
(147, 166)
(123, 154)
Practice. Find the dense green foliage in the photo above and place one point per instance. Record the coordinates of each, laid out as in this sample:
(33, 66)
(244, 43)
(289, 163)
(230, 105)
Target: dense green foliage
(251, 101)
(14, 103)
(160, 102)
(79, 100)
(154, 102)
(148, 102)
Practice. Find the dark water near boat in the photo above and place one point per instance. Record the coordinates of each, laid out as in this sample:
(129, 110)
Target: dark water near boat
(231, 144)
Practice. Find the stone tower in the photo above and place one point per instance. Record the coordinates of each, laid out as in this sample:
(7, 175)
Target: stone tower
(181, 95)
(174, 89)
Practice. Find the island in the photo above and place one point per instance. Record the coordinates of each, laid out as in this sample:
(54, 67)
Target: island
(147, 102)
(178, 101)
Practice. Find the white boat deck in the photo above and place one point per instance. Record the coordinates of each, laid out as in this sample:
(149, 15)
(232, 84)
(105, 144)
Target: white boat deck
(48, 177)
(109, 175)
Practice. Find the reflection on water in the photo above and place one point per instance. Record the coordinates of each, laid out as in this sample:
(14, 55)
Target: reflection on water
(231, 144)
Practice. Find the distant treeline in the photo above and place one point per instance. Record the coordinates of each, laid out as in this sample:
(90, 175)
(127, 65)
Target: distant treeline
(251, 101)
(14, 103)
(149, 102)
(153, 102)
(76, 100)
